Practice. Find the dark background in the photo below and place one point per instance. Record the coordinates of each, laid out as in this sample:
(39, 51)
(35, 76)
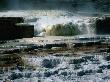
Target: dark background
(74, 5)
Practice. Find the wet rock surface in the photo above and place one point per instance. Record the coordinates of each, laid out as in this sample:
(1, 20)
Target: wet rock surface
(60, 67)
(107, 57)
(10, 60)
(40, 63)
(50, 63)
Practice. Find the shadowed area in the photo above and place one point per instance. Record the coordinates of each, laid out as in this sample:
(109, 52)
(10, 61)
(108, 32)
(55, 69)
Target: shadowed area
(72, 5)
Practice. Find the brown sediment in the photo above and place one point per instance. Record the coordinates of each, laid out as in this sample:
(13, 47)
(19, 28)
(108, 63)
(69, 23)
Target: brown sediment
(7, 60)
(73, 51)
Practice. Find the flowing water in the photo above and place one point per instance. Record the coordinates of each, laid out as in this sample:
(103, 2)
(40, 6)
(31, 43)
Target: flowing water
(83, 68)
(90, 67)
(44, 18)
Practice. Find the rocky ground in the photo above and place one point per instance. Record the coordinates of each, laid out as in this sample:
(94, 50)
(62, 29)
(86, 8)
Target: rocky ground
(58, 59)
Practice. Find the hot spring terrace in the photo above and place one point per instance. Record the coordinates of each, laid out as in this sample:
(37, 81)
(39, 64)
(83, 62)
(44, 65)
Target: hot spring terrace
(54, 58)
(15, 28)
(53, 44)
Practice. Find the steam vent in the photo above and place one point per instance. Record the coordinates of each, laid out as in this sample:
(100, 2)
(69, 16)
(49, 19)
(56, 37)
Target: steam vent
(14, 28)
